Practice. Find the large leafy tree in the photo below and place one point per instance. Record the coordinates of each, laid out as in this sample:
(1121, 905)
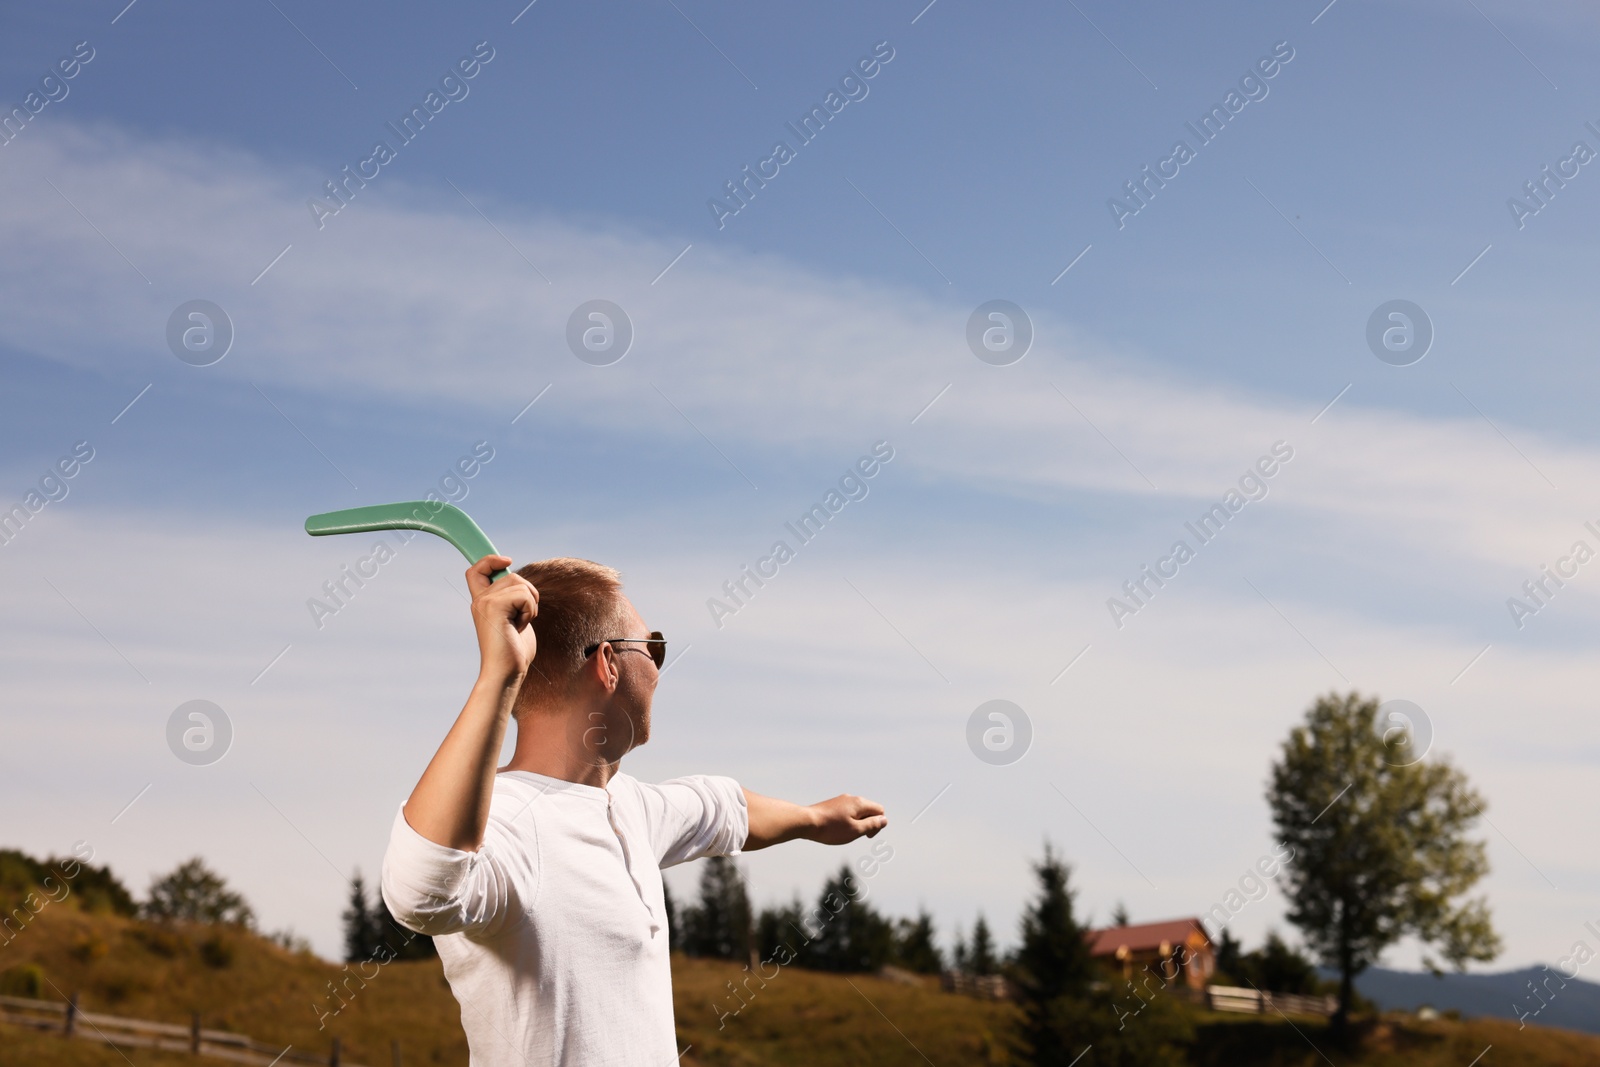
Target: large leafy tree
(1380, 845)
(64, 879)
(193, 892)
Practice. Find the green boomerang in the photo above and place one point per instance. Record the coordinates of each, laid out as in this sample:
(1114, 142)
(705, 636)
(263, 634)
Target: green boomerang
(441, 520)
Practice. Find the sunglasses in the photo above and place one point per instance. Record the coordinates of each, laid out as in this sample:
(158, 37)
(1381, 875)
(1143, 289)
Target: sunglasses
(657, 649)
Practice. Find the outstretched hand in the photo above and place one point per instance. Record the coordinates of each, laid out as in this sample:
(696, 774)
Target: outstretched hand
(832, 822)
(845, 818)
(502, 613)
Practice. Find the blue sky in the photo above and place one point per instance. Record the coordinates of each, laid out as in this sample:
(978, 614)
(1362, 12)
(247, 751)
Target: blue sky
(828, 314)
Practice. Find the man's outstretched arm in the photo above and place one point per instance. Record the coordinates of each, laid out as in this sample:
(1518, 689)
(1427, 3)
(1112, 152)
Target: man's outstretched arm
(831, 822)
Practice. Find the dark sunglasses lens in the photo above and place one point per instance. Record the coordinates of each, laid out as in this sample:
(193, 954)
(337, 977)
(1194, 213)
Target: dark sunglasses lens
(658, 648)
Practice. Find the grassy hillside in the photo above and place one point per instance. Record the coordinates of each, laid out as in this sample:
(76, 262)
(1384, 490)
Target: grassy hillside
(1393, 1041)
(237, 982)
(241, 982)
(809, 1018)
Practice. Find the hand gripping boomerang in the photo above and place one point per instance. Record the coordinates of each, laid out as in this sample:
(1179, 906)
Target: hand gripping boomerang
(441, 520)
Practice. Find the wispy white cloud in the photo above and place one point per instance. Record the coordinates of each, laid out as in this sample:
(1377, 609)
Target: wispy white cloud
(411, 295)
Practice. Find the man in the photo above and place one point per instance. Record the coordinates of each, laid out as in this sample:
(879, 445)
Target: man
(541, 881)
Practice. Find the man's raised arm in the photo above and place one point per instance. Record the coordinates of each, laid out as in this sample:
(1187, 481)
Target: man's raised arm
(450, 805)
(831, 822)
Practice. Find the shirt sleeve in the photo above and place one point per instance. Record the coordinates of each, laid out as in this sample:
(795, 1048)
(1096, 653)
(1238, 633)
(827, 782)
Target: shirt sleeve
(698, 815)
(434, 889)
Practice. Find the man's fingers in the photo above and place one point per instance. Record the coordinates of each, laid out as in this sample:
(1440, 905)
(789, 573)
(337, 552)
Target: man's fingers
(478, 574)
(513, 597)
(870, 827)
(857, 816)
(527, 604)
(854, 807)
(513, 586)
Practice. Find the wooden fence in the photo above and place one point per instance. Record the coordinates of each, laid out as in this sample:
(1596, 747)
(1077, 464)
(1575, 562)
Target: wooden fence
(69, 1020)
(1235, 998)
(984, 987)
(1215, 997)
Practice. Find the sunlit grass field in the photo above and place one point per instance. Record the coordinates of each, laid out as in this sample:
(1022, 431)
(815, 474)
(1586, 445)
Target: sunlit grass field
(238, 981)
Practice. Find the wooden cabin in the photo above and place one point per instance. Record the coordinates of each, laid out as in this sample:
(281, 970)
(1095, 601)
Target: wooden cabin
(1175, 950)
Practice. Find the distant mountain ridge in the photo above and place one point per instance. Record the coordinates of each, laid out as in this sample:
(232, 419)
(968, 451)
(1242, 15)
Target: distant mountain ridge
(1568, 1003)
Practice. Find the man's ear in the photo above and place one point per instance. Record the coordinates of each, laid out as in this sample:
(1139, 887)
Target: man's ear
(603, 669)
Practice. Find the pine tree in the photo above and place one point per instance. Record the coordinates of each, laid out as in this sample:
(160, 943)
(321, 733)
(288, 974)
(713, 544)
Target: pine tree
(1276, 967)
(915, 945)
(674, 934)
(981, 959)
(1065, 1010)
(779, 937)
(371, 932)
(1053, 959)
(718, 926)
(847, 934)
(387, 931)
(1230, 957)
(361, 936)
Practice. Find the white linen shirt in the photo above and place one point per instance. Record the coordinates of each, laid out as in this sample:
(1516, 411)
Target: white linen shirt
(553, 934)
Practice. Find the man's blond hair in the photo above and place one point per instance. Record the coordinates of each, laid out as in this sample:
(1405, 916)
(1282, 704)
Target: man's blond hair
(580, 604)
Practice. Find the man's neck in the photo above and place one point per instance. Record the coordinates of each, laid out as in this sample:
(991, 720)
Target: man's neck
(544, 746)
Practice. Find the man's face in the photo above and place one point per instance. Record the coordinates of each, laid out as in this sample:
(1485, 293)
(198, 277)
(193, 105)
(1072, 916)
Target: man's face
(637, 678)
